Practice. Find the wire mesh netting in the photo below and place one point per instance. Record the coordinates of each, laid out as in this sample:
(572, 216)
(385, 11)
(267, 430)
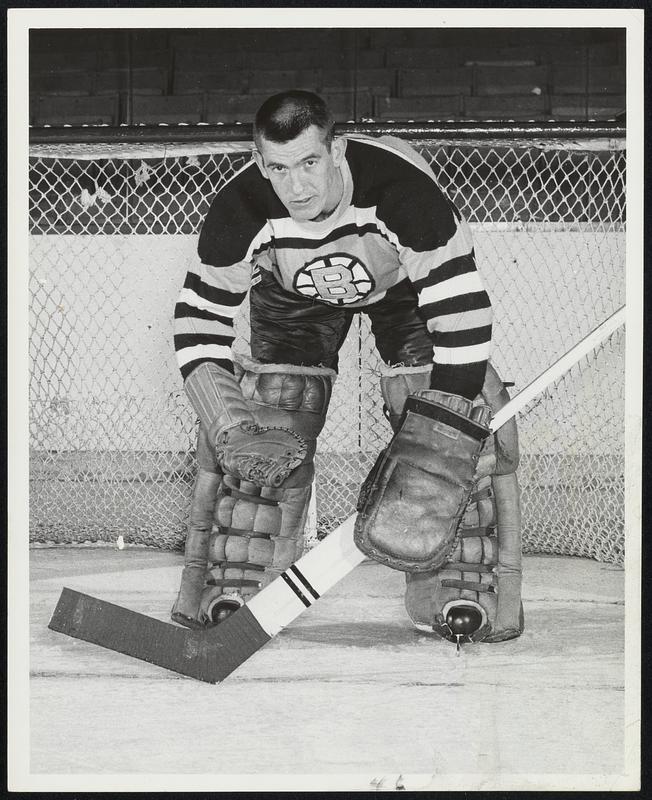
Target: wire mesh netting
(112, 435)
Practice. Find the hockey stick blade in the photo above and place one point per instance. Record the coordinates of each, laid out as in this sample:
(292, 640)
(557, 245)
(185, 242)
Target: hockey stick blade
(208, 655)
(211, 655)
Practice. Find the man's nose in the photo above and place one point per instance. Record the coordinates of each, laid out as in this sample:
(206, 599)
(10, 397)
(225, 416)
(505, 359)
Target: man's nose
(296, 181)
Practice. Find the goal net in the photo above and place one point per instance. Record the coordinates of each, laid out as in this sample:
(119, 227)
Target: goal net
(113, 229)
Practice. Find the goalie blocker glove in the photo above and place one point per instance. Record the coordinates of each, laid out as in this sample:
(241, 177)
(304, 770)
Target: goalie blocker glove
(411, 504)
(244, 449)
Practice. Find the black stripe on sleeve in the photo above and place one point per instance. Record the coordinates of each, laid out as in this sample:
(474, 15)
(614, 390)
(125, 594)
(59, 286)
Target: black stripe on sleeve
(220, 296)
(226, 364)
(462, 338)
(183, 310)
(461, 265)
(182, 340)
(465, 380)
(456, 305)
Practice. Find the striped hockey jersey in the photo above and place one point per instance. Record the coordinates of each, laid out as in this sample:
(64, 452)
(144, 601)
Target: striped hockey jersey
(392, 223)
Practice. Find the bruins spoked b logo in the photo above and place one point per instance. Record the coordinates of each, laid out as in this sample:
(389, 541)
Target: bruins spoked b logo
(339, 279)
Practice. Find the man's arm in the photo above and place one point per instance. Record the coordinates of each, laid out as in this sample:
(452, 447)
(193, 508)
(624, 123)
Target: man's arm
(204, 315)
(436, 250)
(457, 310)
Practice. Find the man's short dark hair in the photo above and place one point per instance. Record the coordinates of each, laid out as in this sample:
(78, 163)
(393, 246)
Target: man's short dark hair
(284, 116)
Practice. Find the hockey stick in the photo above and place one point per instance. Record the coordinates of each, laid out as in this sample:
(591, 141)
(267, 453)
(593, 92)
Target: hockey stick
(211, 655)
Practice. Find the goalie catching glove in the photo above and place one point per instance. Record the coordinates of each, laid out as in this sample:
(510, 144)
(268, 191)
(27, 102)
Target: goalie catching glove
(411, 503)
(244, 449)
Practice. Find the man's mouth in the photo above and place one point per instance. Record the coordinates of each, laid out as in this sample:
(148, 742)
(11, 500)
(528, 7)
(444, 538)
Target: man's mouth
(304, 201)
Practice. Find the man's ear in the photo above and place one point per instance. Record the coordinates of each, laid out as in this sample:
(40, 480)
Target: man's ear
(338, 148)
(261, 166)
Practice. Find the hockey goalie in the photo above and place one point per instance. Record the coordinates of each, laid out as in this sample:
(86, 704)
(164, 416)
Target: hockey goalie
(316, 229)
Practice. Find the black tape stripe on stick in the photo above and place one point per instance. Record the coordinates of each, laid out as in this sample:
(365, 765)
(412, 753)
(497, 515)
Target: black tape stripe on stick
(211, 655)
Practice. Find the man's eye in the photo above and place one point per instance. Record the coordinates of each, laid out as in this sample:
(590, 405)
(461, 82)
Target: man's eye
(277, 168)
(311, 162)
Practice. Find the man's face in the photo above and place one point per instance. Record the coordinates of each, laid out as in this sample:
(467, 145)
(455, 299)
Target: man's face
(303, 172)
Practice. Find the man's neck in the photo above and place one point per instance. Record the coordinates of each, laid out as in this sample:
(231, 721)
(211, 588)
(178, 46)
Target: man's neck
(339, 193)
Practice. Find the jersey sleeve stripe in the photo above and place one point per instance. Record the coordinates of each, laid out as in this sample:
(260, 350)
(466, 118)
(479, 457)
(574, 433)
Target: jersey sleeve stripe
(462, 338)
(215, 294)
(185, 311)
(188, 367)
(184, 341)
(477, 318)
(456, 305)
(461, 265)
(191, 298)
(462, 355)
(195, 324)
(453, 287)
(203, 352)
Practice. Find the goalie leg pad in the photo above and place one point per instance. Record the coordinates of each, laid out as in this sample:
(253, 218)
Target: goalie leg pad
(186, 609)
(258, 531)
(483, 572)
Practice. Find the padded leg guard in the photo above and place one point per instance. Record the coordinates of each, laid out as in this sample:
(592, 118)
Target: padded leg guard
(477, 593)
(187, 608)
(480, 585)
(258, 531)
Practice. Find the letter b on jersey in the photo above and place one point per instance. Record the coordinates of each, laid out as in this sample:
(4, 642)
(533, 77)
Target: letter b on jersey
(339, 279)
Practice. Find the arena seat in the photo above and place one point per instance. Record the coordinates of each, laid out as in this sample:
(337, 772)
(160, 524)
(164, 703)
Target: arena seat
(348, 105)
(568, 78)
(219, 82)
(493, 80)
(606, 54)
(416, 58)
(142, 81)
(59, 110)
(213, 61)
(582, 107)
(414, 82)
(506, 107)
(606, 80)
(273, 81)
(562, 54)
(151, 110)
(70, 84)
(378, 80)
(577, 79)
(418, 109)
(140, 58)
(62, 61)
(523, 55)
(232, 108)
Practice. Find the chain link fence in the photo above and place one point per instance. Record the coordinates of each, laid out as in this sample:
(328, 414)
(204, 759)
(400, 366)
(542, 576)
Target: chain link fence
(113, 231)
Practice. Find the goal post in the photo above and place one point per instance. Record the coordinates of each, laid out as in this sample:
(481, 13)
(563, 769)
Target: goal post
(114, 218)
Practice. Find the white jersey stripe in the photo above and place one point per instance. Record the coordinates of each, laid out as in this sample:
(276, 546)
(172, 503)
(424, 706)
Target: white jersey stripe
(236, 276)
(191, 298)
(461, 320)
(453, 287)
(462, 355)
(205, 326)
(199, 351)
